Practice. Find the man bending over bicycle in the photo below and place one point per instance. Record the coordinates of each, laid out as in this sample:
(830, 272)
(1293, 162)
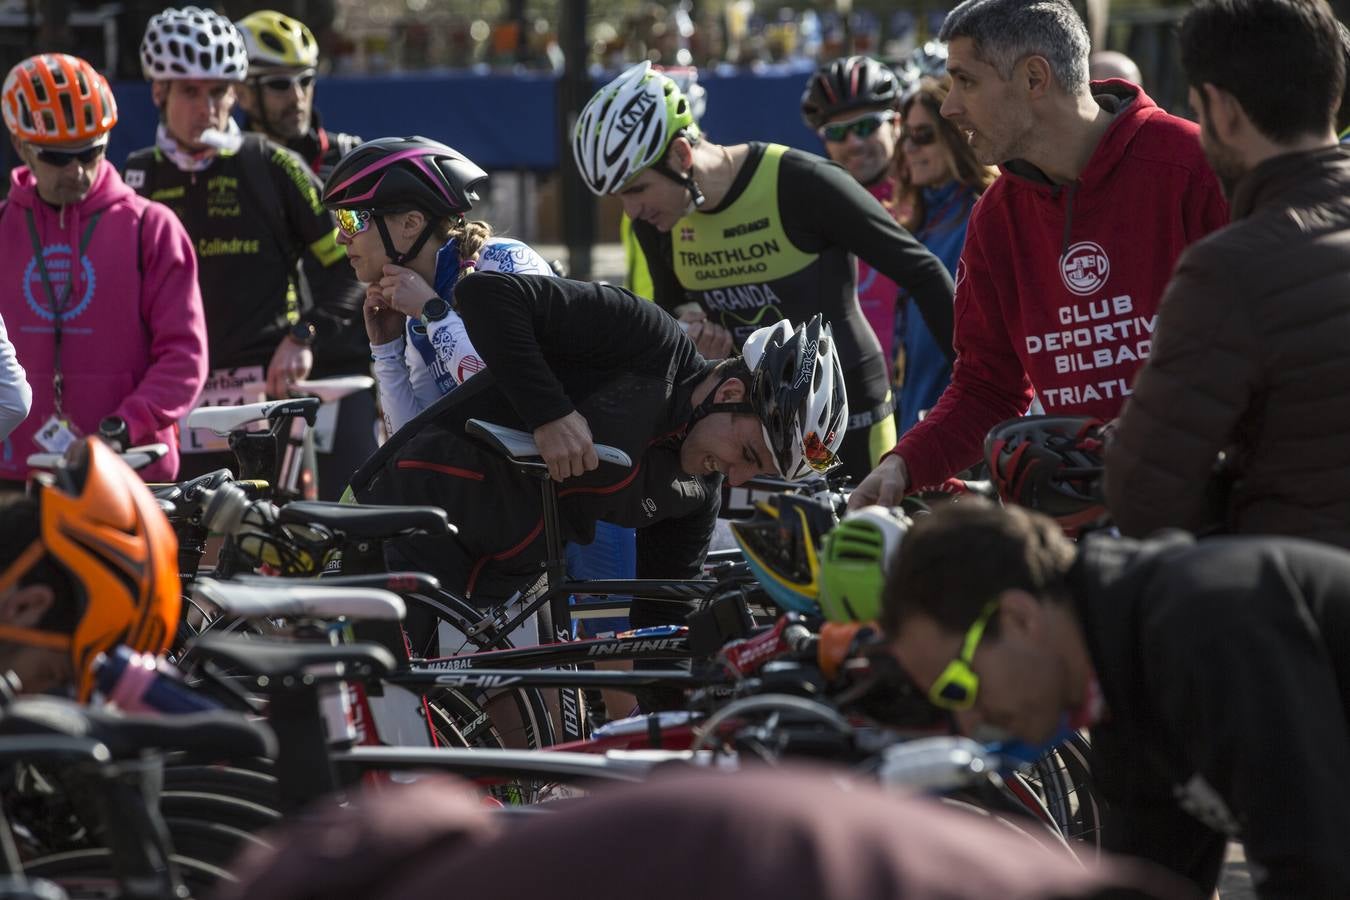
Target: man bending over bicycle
(579, 363)
(1213, 676)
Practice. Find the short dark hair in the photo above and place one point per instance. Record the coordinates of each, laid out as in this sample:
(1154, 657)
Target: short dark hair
(19, 527)
(1283, 60)
(953, 562)
(1002, 32)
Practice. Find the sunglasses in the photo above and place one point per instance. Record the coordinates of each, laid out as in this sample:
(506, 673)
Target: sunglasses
(958, 685)
(864, 126)
(283, 83)
(352, 222)
(919, 135)
(819, 457)
(62, 158)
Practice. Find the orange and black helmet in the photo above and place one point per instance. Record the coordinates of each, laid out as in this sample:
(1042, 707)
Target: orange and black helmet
(100, 525)
(53, 98)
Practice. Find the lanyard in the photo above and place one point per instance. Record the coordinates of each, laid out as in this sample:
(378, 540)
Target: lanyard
(58, 307)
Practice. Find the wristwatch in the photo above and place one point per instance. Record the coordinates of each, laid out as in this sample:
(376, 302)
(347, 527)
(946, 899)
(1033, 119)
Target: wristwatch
(434, 310)
(302, 333)
(113, 431)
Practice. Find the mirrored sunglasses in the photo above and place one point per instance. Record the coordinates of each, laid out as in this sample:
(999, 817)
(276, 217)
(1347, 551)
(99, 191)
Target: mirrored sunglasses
(818, 456)
(352, 222)
(919, 135)
(62, 158)
(282, 83)
(864, 126)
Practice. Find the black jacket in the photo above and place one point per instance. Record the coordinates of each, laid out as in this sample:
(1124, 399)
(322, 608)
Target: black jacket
(1225, 667)
(553, 346)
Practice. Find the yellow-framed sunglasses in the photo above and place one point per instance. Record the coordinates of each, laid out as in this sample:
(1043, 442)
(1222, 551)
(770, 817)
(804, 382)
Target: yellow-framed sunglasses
(958, 685)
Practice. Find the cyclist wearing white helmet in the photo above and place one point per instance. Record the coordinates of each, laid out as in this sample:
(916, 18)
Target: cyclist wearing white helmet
(252, 209)
(577, 363)
(740, 237)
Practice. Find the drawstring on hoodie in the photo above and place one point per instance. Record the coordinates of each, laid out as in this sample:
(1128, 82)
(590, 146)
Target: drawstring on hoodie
(58, 307)
(1068, 220)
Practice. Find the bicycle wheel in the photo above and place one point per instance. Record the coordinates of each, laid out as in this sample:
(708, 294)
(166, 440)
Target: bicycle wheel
(89, 873)
(213, 843)
(505, 717)
(239, 784)
(240, 814)
(1063, 778)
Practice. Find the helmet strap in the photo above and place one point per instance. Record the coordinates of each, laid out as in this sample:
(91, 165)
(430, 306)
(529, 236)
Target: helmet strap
(685, 181)
(708, 405)
(395, 257)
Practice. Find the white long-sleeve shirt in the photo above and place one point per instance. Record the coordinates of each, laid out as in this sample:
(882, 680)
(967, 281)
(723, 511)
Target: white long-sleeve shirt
(16, 398)
(408, 381)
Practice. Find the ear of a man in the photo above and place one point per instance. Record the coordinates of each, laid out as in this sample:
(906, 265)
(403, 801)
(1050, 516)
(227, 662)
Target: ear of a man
(730, 391)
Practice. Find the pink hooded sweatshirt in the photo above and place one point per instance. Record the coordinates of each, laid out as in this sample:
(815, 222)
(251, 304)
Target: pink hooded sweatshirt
(133, 332)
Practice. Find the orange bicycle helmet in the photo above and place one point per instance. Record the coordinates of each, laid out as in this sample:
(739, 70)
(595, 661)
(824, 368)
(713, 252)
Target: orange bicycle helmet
(99, 523)
(53, 98)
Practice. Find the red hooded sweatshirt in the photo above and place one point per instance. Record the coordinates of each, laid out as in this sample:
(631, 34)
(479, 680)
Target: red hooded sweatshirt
(133, 332)
(1058, 285)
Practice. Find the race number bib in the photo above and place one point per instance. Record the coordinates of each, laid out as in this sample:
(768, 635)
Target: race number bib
(224, 387)
(56, 434)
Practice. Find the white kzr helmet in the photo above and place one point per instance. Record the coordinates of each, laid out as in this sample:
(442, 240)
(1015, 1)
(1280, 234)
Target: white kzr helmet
(627, 127)
(797, 390)
(192, 43)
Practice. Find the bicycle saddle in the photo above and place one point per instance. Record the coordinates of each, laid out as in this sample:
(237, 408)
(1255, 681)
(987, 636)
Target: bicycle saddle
(286, 662)
(266, 598)
(224, 419)
(372, 522)
(518, 446)
(206, 735)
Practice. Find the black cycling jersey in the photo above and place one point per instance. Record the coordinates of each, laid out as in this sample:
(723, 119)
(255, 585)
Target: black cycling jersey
(252, 215)
(553, 346)
(347, 350)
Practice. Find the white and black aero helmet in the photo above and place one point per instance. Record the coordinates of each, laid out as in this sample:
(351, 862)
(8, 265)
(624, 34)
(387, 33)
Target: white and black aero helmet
(192, 43)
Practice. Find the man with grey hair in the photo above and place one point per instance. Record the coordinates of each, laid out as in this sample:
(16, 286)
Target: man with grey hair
(1067, 254)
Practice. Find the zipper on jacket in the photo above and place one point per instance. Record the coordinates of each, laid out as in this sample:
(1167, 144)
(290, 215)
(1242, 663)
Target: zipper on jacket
(453, 471)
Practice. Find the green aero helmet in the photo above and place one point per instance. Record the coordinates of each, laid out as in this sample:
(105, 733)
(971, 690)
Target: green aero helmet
(855, 558)
(627, 126)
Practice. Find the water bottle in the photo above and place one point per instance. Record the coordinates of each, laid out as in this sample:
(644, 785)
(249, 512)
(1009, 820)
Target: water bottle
(142, 683)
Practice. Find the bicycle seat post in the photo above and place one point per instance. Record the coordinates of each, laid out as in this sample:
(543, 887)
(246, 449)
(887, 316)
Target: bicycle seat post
(555, 565)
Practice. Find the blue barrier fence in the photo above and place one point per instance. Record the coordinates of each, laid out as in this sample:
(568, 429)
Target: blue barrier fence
(499, 121)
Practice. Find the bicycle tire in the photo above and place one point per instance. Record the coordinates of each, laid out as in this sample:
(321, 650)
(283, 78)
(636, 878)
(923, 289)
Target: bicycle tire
(459, 712)
(240, 784)
(232, 811)
(214, 843)
(89, 873)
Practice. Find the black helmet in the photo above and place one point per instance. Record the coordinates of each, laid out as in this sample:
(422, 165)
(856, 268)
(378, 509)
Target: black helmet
(1052, 464)
(851, 82)
(398, 174)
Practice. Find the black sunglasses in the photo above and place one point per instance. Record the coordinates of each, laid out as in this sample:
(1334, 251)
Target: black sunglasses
(62, 158)
(919, 135)
(282, 83)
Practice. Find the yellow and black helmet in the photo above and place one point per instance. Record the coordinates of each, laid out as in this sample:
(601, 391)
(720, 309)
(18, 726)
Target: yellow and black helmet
(277, 41)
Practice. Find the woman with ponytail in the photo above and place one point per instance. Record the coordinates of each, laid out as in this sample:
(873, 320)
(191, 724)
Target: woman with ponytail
(400, 205)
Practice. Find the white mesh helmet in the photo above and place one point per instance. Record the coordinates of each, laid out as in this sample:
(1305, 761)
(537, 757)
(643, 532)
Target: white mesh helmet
(192, 43)
(797, 390)
(627, 127)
